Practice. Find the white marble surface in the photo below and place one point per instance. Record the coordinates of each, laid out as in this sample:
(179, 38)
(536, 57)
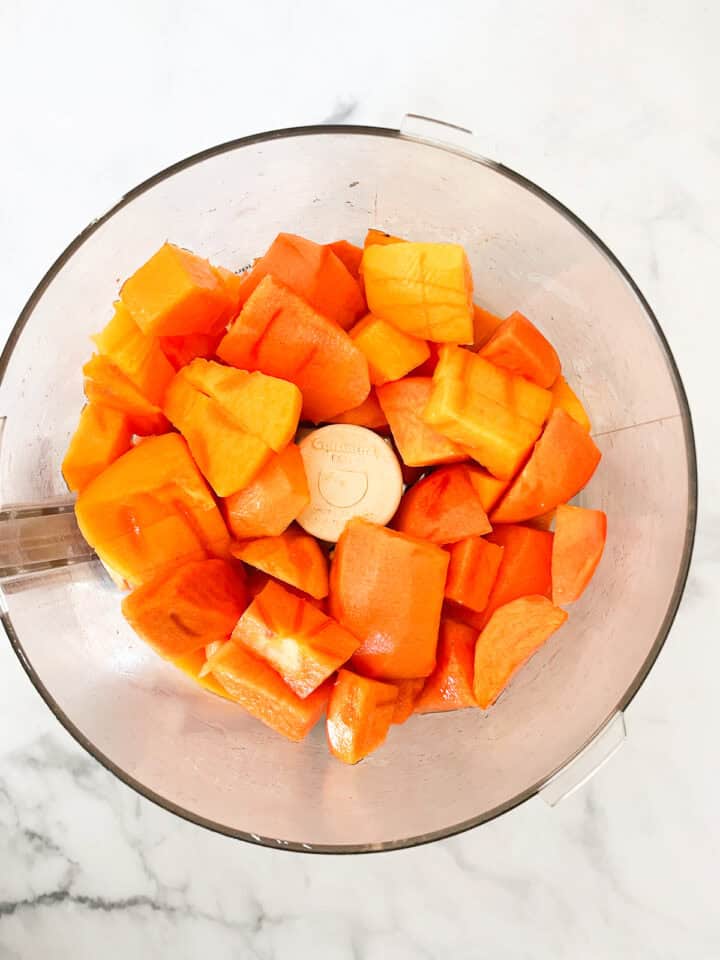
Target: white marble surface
(612, 107)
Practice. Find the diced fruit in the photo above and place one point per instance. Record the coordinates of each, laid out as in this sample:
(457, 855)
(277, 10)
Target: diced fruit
(369, 414)
(298, 641)
(151, 510)
(181, 351)
(387, 589)
(380, 238)
(484, 326)
(359, 716)
(193, 665)
(474, 565)
(577, 548)
(423, 289)
(518, 346)
(252, 683)
(232, 420)
(562, 462)
(544, 521)
(175, 293)
(233, 285)
(348, 254)
(390, 353)
(268, 504)
(257, 580)
(188, 608)
(102, 435)
(564, 396)
(477, 405)
(513, 634)
(279, 334)
(135, 354)
(442, 507)
(487, 487)
(293, 557)
(419, 444)
(314, 273)
(106, 386)
(408, 692)
(450, 685)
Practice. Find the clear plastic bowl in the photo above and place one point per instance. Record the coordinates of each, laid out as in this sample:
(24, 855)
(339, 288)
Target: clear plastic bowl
(205, 759)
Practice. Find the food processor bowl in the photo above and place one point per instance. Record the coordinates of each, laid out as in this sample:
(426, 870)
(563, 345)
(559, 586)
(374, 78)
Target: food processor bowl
(205, 758)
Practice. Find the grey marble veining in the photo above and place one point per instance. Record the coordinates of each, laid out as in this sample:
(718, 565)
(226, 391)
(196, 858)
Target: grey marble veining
(612, 108)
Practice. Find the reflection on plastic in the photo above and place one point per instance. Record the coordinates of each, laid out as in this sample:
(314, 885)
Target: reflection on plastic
(587, 763)
(415, 125)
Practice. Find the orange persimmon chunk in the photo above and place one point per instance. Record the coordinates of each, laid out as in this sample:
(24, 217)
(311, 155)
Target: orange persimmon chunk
(390, 353)
(298, 640)
(293, 557)
(181, 351)
(423, 289)
(487, 487)
(107, 386)
(232, 420)
(151, 510)
(419, 444)
(450, 685)
(368, 414)
(562, 462)
(280, 335)
(349, 254)
(268, 504)
(102, 435)
(252, 683)
(387, 589)
(380, 238)
(135, 354)
(474, 565)
(408, 693)
(577, 548)
(194, 605)
(193, 665)
(565, 397)
(518, 346)
(484, 326)
(314, 273)
(359, 715)
(174, 293)
(513, 634)
(442, 508)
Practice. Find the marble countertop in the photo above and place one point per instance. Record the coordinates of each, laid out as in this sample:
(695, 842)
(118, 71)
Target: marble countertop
(611, 107)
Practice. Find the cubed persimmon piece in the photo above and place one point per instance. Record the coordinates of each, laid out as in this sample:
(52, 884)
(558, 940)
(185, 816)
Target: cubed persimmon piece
(194, 664)
(135, 354)
(390, 353)
(442, 507)
(257, 580)
(450, 685)
(524, 569)
(487, 487)
(408, 693)
(387, 589)
(253, 683)
(380, 238)
(280, 335)
(543, 521)
(107, 386)
(518, 346)
(484, 326)
(513, 634)
(359, 716)
(102, 435)
(268, 504)
(577, 549)
(293, 557)
(565, 397)
(368, 414)
(300, 642)
(474, 565)
(349, 254)
(562, 462)
(186, 609)
(151, 510)
(477, 406)
(181, 351)
(233, 285)
(175, 292)
(232, 420)
(314, 273)
(419, 444)
(423, 289)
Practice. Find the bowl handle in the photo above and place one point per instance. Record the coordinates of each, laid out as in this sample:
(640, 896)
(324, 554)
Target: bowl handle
(35, 538)
(587, 763)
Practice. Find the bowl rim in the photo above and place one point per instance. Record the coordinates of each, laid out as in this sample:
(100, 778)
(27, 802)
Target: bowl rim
(691, 464)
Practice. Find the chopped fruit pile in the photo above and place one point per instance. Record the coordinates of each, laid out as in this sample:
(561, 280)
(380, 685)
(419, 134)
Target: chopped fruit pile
(201, 479)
